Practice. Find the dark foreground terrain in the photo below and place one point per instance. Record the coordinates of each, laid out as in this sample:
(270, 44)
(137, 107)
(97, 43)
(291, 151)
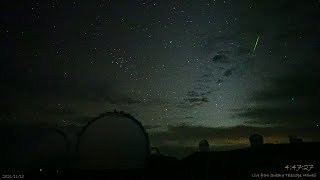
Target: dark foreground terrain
(289, 161)
(268, 159)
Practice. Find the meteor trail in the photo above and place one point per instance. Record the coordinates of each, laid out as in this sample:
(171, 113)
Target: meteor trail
(255, 46)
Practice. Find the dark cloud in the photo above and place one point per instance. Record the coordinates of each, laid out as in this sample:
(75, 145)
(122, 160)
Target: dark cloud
(228, 73)
(193, 101)
(206, 93)
(206, 76)
(192, 94)
(185, 132)
(197, 100)
(283, 116)
(220, 58)
(188, 117)
(290, 100)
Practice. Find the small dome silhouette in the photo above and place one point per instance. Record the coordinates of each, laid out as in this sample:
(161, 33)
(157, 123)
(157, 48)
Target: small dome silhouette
(256, 140)
(203, 145)
(154, 151)
(38, 147)
(293, 139)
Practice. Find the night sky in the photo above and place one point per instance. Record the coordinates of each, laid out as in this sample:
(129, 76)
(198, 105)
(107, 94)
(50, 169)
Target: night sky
(186, 69)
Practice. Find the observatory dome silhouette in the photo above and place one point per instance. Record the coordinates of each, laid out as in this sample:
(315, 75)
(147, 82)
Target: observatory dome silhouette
(113, 141)
(39, 148)
(293, 139)
(256, 140)
(203, 145)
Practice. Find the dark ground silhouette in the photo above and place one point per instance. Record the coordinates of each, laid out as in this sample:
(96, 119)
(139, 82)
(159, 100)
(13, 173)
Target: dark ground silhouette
(267, 158)
(296, 157)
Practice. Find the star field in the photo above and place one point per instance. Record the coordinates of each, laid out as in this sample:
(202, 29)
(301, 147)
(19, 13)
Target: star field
(168, 63)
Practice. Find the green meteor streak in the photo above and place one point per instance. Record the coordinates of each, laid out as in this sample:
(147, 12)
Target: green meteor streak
(255, 46)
